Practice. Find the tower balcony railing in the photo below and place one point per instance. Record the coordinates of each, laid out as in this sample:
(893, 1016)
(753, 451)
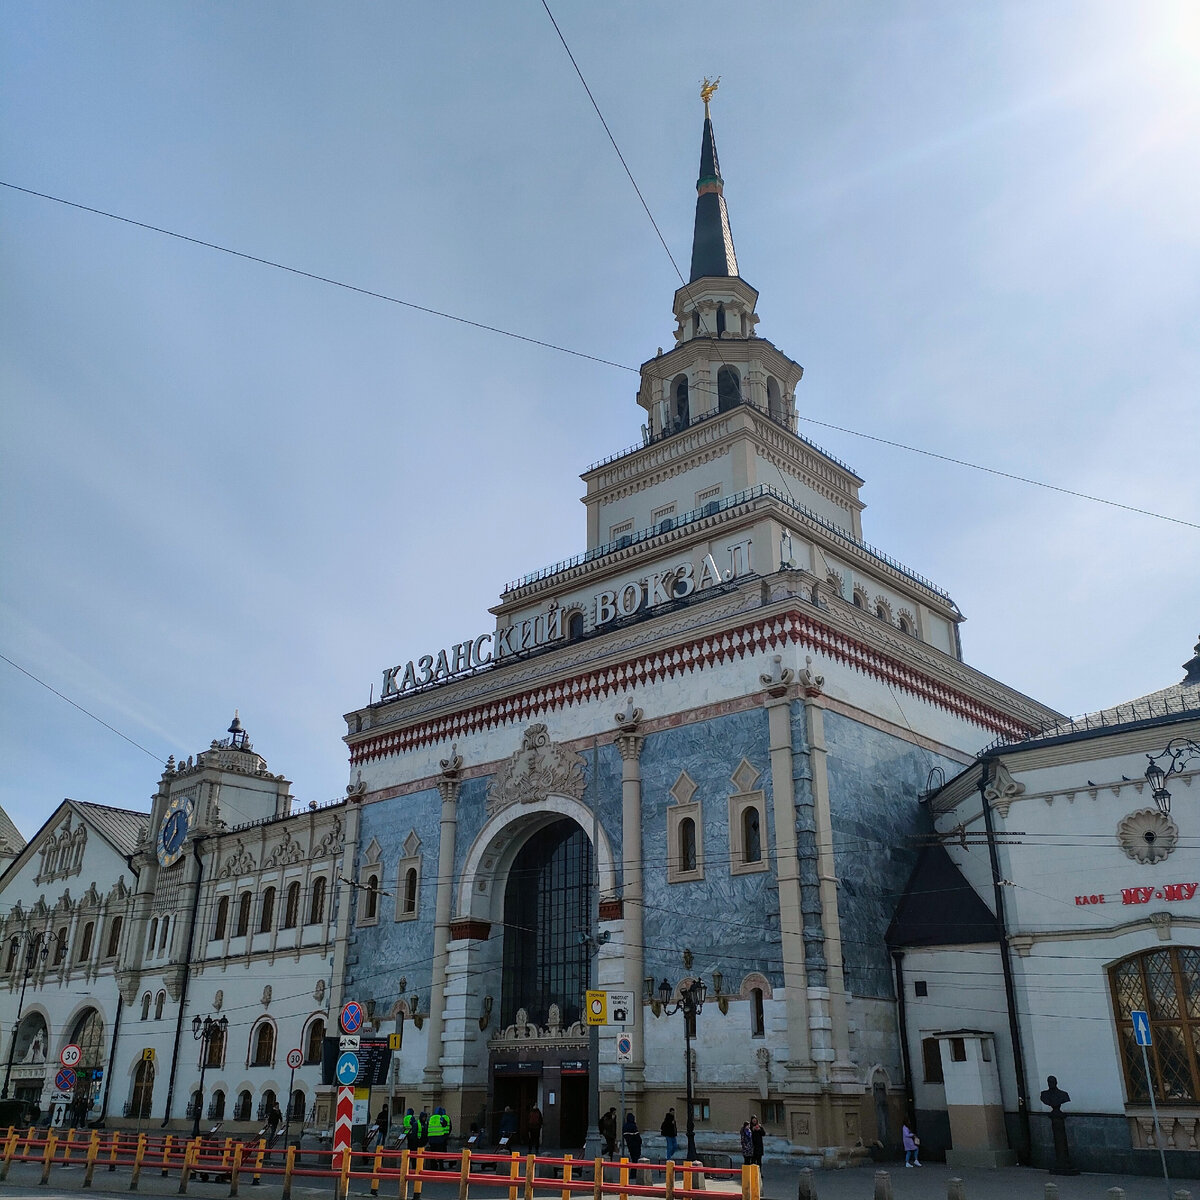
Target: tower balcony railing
(762, 490)
(785, 421)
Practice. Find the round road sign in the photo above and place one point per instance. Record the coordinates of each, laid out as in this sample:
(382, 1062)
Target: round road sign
(64, 1081)
(71, 1055)
(351, 1017)
(294, 1059)
(347, 1068)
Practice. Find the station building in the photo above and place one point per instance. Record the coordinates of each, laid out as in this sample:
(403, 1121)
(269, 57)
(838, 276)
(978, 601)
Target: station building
(696, 748)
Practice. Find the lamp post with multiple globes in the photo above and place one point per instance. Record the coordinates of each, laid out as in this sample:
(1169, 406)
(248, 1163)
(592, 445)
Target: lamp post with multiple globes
(690, 1002)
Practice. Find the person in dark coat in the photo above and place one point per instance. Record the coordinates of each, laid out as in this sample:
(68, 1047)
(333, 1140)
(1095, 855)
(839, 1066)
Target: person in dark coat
(508, 1129)
(757, 1133)
(670, 1132)
(632, 1139)
(382, 1124)
(533, 1129)
(608, 1131)
(412, 1131)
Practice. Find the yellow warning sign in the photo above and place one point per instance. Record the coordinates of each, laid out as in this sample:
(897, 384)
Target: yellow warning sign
(394, 1040)
(597, 1008)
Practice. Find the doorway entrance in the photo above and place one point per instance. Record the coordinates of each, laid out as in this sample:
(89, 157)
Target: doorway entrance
(518, 1092)
(573, 1112)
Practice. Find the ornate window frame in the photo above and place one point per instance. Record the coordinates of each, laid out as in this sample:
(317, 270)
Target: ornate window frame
(744, 799)
(685, 807)
(370, 882)
(410, 862)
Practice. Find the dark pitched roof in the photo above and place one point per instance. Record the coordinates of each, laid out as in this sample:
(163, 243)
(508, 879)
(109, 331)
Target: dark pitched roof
(11, 841)
(123, 827)
(712, 243)
(940, 908)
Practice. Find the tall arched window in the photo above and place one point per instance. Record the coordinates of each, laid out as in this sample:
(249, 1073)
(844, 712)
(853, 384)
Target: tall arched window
(114, 937)
(221, 920)
(1165, 984)
(575, 627)
(729, 389)
(546, 901)
(60, 947)
(720, 319)
(153, 936)
(216, 1048)
(315, 1043)
(10, 961)
(297, 1106)
(751, 835)
(241, 1110)
(163, 930)
(372, 905)
(262, 1045)
(146, 1006)
(687, 844)
(410, 890)
(88, 1035)
(681, 412)
(774, 399)
(243, 917)
(216, 1110)
(85, 942)
(160, 1002)
(266, 911)
(143, 1089)
(757, 1020)
(316, 908)
(291, 910)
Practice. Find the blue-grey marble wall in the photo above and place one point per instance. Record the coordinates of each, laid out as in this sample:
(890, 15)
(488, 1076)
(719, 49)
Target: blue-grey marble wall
(874, 782)
(729, 922)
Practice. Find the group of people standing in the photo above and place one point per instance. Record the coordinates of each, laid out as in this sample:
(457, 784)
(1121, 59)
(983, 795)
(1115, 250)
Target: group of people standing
(751, 1139)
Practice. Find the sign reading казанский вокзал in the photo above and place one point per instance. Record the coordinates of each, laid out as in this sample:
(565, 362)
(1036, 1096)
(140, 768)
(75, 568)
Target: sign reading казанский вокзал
(659, 587)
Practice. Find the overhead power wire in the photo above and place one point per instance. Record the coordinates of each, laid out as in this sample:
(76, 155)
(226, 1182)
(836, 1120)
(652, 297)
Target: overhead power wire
(350, 287)
(607, 362)
(83, 710)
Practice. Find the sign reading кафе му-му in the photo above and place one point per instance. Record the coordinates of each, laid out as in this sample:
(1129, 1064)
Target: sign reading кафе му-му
(659, 587)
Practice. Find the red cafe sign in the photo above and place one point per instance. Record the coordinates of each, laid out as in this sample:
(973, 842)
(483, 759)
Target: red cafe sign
(1143, 895)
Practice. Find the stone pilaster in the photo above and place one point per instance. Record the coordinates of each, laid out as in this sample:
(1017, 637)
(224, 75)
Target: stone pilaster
(827, 998)
(448, 785)
(629, 743)
(787, 864)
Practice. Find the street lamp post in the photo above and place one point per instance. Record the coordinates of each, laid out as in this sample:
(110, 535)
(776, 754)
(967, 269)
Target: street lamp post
(37, 946)
(1179, 751)
(204, 1031)
(690, 1003)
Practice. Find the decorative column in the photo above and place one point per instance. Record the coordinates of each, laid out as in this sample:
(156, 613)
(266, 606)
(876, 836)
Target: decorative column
(787, 863)
(448, 785)
(629, 742)
(827, 1000)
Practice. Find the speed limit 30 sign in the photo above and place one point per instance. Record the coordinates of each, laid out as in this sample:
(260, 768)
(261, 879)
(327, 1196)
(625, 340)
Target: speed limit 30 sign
(71, 1055)
(294, 1059)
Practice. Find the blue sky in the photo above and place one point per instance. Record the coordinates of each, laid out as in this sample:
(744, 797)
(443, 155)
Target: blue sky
(227, 486)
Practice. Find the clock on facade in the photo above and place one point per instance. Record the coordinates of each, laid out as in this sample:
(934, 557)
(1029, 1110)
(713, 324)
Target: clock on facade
(173, 831)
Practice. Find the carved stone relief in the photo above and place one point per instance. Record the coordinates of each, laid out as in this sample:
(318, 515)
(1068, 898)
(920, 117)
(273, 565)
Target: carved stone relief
(1147, 836)
(535, 771)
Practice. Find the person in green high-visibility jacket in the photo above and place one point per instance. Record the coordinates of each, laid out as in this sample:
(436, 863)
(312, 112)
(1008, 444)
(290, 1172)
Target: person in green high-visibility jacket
(439, 1131)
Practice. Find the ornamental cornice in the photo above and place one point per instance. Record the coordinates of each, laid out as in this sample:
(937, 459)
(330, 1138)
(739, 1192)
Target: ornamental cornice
(679, 647)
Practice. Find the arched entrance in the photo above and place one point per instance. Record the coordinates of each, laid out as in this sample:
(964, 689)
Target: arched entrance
(143, 1090)
(548, 896)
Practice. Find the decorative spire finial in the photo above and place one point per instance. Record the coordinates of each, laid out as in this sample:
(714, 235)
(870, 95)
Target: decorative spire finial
(706, 90)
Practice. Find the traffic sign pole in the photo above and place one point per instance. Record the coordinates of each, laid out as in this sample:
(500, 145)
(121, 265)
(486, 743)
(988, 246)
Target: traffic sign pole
(1144, 1038)
(294, 1059)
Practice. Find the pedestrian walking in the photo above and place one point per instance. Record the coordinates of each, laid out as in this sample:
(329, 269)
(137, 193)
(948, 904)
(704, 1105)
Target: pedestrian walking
(608, 1131)
(508, 1129)
(912, 1144)
(757, 1134)
(382, 1124)
(533, 1129)
(274, 1120)
(633, 1140)
(746, 1140)
(670, 1132)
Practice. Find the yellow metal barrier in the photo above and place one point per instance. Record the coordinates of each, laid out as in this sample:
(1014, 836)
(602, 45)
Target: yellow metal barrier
(138, 1158)
(93, 1153)
(289, 1162)
(464, 1174)
(10, 1148)
(166, 1155)
(48, 1157)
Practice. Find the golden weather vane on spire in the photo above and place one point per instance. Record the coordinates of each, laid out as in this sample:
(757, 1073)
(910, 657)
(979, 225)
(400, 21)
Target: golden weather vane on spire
(706, 90)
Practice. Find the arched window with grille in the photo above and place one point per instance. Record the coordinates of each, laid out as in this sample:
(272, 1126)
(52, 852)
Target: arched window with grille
(216, 1108)
(297, 1105)
(114, 937)
(262, 1045)
(160, 1002)
(216, 1047)
(242, 1110)
(143, 1090)
(266, 911)
(221, 920)
(315, 1042)
(316, 907)
(85, 942)
(291, 910)
(1165, 984)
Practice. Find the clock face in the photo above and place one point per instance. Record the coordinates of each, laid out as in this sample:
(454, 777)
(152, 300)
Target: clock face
(173, 832)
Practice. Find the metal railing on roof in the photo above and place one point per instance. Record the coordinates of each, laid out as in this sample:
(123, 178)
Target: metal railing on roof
(1132, 712)
(710, 509)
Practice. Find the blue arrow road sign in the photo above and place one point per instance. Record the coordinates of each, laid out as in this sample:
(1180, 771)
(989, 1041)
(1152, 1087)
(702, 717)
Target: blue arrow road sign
(1141, 1027)
(347, 1068)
